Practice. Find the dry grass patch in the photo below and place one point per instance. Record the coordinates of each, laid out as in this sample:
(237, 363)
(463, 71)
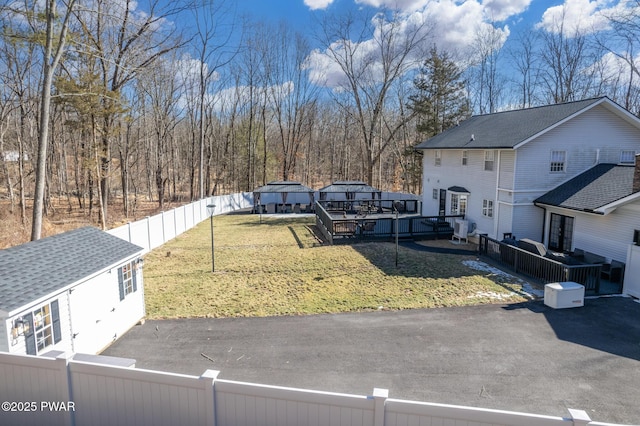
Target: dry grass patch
(278, 268)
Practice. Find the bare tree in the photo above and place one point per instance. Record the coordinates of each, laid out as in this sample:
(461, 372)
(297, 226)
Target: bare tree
(215, 50)
(53, 49)
(291, 93)
(486, 78)
(523, 57)
(124, 43)
(566, 61)
(370, 65)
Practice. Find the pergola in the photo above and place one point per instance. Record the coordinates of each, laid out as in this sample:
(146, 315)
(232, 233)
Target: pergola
(283, 197)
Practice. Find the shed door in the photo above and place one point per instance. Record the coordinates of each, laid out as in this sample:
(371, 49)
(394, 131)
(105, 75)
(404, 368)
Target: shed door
(90, 326)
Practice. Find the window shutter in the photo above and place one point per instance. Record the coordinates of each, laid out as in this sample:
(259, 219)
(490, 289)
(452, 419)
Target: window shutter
(121, 283)
(134, 273)
(30, 337)
(55, 320)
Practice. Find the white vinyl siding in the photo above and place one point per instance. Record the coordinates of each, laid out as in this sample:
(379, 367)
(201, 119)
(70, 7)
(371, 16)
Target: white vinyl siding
(608, 236)
(586, 139)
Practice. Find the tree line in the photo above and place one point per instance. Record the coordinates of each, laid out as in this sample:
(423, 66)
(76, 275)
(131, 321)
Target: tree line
(102, 101)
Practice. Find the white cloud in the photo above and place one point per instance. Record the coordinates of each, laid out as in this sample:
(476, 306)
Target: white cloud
(454, 24)
(317, 4)
(583, 16)
(499, 10)
(404, 5)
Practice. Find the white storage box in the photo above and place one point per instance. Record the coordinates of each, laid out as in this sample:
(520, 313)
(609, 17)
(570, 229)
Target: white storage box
(564, 295)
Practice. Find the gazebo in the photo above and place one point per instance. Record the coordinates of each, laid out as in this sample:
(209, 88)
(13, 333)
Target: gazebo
(349, 190)
(283, 197)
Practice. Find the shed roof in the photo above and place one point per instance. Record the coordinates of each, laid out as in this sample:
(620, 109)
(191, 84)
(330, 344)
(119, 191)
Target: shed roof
(509, 129)
(283, 186)
(594, 189)
(349, 186)
(36, 269)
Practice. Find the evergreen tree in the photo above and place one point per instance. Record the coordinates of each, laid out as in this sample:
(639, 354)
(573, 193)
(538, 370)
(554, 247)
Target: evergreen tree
(440, 101)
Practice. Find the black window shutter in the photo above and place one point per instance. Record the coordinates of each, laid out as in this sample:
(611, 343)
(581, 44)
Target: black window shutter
(134, 272)
(30, 337)
(55, 319)
(121, 283)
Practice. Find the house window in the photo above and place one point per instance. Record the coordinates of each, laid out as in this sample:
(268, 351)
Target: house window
(465, 157)
(438, 157)
(458, 204)
(558, 159)
(627, 157)
(487, 208)
(43, 329)
(489, 158)
(127, 279)
(435, 194)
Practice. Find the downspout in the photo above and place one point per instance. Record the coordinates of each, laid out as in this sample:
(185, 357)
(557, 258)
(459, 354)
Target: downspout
(497, 203)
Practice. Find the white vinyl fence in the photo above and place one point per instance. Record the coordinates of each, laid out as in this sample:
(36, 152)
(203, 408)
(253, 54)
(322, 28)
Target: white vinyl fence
(61, 391)
(153, 231)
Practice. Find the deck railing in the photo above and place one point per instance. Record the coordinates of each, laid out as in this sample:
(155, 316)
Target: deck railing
(336, 225)
(539, 267)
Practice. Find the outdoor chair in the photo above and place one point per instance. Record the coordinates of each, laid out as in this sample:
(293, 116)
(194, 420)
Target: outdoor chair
(612, 271)
(368, 227)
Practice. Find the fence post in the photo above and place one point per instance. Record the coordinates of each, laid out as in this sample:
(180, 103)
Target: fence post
(148, 219)
(379, 398)
(164, 236)
(208, 379)
(62, 363)
(579, 417)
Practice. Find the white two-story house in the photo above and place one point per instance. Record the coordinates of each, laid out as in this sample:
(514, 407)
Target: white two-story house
(499, 170)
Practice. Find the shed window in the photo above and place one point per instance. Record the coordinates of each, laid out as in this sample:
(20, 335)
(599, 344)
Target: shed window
(43, 328)
(127, 279)
(558, 159)
(489, 158)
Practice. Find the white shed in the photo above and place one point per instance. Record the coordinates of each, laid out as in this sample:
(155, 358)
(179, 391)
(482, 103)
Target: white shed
(77, 291)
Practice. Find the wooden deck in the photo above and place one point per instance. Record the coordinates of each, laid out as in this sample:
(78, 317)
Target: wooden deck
(347, 226)
(546, 270)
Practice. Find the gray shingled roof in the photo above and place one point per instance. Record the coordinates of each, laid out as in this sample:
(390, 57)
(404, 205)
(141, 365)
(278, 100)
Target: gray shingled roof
(38, 268)
(504, 129)
(349, 186)
(597, 187)
(283, 186)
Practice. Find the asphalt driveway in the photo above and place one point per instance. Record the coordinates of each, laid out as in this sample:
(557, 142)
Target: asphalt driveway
(524, 357)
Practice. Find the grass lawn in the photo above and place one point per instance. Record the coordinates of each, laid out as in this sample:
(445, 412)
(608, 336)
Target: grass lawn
(279, 268)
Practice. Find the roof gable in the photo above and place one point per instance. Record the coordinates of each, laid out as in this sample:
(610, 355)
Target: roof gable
(510, 129)
(36, 269)
(599, 186)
